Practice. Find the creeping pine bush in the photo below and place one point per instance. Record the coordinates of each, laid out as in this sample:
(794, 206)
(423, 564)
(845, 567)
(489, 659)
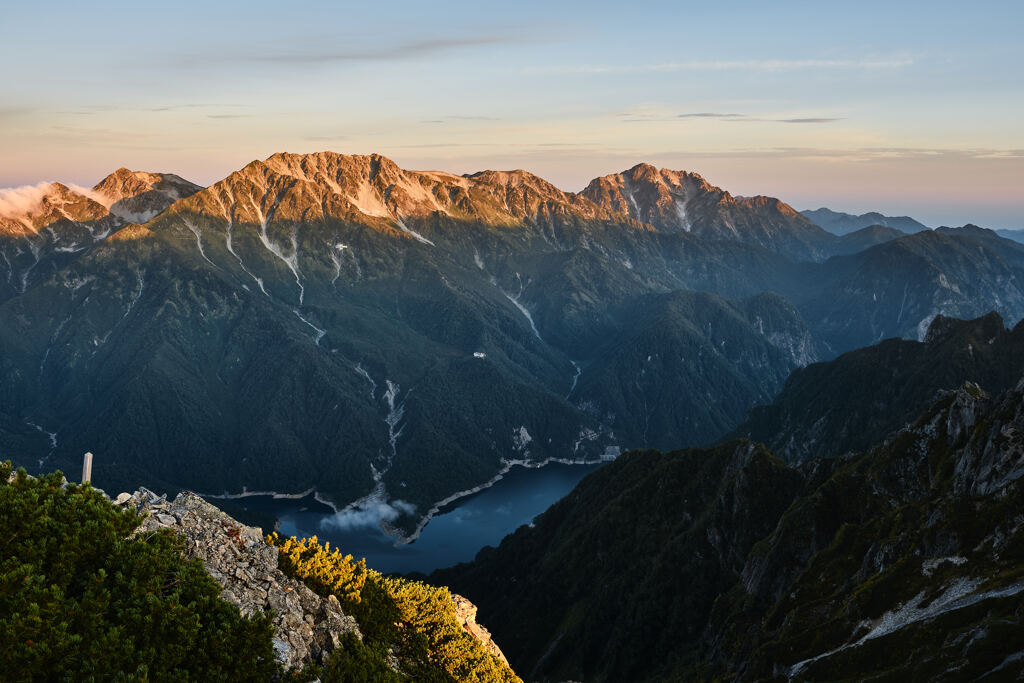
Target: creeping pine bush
(80, 600)
(408, 622)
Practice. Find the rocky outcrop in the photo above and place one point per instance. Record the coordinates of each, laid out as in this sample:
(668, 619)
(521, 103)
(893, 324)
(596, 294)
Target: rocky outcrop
(307, 626)
(465, 611)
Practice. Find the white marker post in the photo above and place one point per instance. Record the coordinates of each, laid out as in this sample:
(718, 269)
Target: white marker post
(87, 468)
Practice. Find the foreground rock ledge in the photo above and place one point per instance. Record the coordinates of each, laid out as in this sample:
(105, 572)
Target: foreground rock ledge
(307, 626)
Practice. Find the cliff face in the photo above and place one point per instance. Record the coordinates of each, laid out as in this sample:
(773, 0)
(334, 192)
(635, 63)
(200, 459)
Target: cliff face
(466, 611)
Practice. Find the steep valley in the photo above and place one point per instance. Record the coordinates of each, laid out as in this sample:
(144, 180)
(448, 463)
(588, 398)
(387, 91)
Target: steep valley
(901, 562)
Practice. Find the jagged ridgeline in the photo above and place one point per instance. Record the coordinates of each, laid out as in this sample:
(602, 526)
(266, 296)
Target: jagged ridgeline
(851, 402)
(152, 589)
(902, 563)
(339, 323)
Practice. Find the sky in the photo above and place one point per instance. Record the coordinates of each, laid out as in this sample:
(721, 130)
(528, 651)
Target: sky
(909, 108)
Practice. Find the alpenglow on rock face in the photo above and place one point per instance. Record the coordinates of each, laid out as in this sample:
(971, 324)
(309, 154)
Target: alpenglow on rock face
(678, 201)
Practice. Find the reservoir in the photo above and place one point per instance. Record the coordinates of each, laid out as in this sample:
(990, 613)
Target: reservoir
(454, 535)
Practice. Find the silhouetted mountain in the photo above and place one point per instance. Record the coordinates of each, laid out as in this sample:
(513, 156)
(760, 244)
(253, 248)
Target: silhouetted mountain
(1015, 235)
(840, 223)
(859, 240)
(897, 288)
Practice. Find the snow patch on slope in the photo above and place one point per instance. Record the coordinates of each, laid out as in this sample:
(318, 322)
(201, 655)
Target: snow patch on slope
(415, 234)
(199, 239)
(230, 219)
(373, 385)
(959, 594)
(291, 260)
(319, 332)
(53, 441)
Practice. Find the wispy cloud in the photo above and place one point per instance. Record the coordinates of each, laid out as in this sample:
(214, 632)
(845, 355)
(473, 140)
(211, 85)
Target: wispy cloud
(429, 145)
(16, 201)
(92, 109)
(462, 119)
(766, 65)
(710, 115)
(7, 113)
(808, 120)
(742, 118)
(378, 51)
(194, 105)
(398, 51)
(852, 154)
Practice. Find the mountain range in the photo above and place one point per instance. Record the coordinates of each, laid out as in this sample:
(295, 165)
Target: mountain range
(841, 223)
(391, 337)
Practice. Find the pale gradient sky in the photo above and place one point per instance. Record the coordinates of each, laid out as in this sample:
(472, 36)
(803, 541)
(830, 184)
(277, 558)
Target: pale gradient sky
(903, 107)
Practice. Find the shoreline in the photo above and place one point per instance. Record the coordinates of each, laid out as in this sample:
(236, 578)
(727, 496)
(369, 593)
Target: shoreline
(274, 494)
(389, 529)
(507, 465)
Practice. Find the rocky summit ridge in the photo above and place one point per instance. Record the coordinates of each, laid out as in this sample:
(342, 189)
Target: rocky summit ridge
(375, 187)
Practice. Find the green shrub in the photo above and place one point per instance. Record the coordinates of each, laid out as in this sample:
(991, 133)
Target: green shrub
(82, 601)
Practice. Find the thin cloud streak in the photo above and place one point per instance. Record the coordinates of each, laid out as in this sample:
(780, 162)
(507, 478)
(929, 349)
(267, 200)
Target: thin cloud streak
(401, 51)
(14, 112)
(732, 118)
(450, 119)
(766, 65)
(711, 115)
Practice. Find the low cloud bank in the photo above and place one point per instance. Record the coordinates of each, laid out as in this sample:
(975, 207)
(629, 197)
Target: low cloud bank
(367, 515)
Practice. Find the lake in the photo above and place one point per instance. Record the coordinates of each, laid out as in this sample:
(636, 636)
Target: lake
(454, 535)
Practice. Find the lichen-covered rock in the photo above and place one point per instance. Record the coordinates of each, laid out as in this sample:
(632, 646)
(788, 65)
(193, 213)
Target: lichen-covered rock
(308, 627)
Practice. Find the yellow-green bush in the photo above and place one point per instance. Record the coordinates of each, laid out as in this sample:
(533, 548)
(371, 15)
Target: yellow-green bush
(319, 565)
(413, 621)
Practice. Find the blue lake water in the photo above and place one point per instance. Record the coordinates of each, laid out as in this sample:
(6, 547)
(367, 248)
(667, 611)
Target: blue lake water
(455, 535)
